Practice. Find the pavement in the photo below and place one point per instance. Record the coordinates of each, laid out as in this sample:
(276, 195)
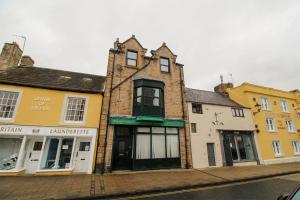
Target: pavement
(123, 183)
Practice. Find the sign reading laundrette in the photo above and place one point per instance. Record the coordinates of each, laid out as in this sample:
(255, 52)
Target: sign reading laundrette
(46, 131)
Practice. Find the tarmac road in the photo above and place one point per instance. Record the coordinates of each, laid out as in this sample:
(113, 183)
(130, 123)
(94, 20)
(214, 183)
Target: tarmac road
(255, 190)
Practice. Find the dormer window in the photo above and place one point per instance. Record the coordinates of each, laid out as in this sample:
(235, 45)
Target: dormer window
(164, 65)
(131, 59)
(148, 98)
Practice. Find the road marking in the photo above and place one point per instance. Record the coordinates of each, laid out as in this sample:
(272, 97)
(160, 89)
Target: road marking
(201, 188)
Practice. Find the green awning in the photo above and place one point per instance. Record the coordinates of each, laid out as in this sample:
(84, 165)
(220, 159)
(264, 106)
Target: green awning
(146, 121)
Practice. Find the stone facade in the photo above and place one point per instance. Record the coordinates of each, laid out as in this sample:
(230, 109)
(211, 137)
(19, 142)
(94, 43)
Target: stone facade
(119, 90)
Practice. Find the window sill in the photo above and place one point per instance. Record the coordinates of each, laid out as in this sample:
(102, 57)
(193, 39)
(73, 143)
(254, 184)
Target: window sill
(73, 123)
(131, 66)
(292, 132)
(272, 131)
(297, 154)
(54, 170)
(278, 156)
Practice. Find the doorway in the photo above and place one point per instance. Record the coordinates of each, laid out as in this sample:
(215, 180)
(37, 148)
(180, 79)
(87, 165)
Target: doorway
(122, 148)
(33, 155)
(82, 156)
(211, 154)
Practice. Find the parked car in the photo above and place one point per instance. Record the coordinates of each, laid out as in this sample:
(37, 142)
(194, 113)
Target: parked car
(295, 195)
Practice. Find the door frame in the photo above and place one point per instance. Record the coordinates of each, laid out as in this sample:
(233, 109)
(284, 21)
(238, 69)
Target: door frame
(30, 145)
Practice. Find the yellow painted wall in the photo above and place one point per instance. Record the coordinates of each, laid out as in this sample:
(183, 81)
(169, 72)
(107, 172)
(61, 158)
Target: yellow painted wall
(245, 94)
(32, 111)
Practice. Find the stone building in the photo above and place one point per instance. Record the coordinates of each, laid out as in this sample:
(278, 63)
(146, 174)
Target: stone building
(144, 122)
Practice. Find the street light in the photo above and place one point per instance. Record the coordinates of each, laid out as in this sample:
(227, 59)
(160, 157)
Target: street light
(258, 108)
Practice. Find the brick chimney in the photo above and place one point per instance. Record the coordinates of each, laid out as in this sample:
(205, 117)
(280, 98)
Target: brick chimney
(221, 88)
(10, 55)
(27, 61)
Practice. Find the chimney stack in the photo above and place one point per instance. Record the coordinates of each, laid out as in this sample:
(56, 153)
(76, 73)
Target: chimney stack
(27, 61)
(221, 88)
(10, 55)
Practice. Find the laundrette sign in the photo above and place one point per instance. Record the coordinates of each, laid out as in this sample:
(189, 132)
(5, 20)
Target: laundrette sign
(35, 130)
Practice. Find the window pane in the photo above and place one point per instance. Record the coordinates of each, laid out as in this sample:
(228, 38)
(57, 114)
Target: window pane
(164, 68)
(9, 150)
(131, 62)
(143, 130)
(158, 130)
(156, 92)
(139, 100)
(158, 146)
(172, 130)
(233, 149)
(155, 102)
(172, 146)
(139, 91)
(132, 55)
(142, 146)
(164, 61)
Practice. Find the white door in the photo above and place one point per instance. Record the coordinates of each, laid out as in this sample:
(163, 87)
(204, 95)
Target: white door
(33, 155)
(82, 155)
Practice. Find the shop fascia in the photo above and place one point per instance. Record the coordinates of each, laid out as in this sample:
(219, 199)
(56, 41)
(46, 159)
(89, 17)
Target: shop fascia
(14, 159)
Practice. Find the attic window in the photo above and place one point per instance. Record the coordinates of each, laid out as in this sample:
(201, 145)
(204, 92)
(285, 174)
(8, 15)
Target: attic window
(164, 65)
(65, 77)
(131, 58)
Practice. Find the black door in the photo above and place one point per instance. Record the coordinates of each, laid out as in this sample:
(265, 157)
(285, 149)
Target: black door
(227, 151)
(211, 154)
(122, 148)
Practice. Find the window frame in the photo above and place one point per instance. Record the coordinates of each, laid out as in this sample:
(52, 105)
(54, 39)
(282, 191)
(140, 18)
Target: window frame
(199, 105)
(65, 109)
(20, 92)
(296, 146)
(127, 58)
(284, 106)
(193, 129)
(164, 58)
(267, 103)
(291, 125)
(277, 153)
(273, 123)
(237, 112)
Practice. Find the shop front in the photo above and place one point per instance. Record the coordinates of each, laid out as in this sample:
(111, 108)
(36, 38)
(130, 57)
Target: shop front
(239, 148)
(145, 145)
(34, 149)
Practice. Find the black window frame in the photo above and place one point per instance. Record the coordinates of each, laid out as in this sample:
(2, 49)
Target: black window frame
(127, 58)
(142, 109)
(160, 64)
(198, 108)
(237, 112)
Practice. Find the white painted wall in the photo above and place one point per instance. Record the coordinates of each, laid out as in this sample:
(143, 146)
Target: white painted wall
(208, 133)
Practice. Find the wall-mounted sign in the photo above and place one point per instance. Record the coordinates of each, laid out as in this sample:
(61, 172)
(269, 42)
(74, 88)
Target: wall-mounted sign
(40, 103)
(46, 131)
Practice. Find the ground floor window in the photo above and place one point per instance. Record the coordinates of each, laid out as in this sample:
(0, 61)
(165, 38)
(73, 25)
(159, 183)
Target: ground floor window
(241, 147)
(9, 151)
(276, 148)
(157, 142)
(296, 147)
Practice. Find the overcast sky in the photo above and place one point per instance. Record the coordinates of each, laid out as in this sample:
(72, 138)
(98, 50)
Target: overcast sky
(256, 41)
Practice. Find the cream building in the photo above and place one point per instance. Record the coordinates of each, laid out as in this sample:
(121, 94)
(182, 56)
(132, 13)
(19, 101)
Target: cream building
(222, 132)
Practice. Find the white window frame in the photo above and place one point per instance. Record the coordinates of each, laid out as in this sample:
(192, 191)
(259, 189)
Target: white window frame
(265, 105)
(296, 147)
(277, 148)
(268, 119)
(284, 106)
(13, 118)
(64, 110)
(290, 126)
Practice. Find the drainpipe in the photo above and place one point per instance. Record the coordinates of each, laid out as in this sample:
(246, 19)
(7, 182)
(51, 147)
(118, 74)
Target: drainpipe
(183, 116)
(108, 111)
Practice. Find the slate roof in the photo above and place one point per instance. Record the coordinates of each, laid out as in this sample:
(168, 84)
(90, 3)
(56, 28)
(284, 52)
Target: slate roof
(209, 97)
(52, 79)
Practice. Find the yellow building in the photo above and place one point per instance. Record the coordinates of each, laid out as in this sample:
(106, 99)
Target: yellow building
(49, 120)
(276, 115)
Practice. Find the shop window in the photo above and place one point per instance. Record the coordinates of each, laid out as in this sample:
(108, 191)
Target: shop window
(84, 146)
(296, 147)
(197, 108)
(131, 59)
(8, 103)
(148, 99)
(194, 127)
(265, 103)
(58, 153)
(157, 143)
(290, 126)
(9, 152)
(276, 148)
(284, 106)
(241, 147)
(164, 65)
(237, 112)
(271, 124)
(75, 109)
